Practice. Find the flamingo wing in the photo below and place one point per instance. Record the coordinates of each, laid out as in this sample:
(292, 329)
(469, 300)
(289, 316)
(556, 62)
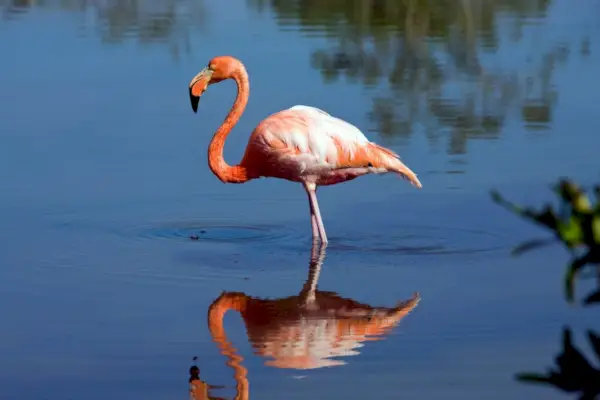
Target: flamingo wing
(335, 129)
(313, 142)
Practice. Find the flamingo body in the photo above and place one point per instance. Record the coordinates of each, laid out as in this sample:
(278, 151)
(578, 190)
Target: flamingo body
(305, 144)
(301, 144)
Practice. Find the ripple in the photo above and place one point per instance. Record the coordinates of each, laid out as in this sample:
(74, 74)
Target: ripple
(413, 239)
(201, 231)
(423, 240)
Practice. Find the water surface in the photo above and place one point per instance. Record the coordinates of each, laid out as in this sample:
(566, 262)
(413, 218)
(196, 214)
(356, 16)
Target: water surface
(104, 177)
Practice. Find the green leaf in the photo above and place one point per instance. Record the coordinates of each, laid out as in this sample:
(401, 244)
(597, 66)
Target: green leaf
(596, 226)
(571, 273)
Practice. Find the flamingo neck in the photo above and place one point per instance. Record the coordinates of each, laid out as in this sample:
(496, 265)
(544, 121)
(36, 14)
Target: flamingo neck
(217, 164)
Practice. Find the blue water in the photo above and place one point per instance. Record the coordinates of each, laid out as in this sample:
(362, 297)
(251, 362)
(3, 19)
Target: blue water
(103, 178)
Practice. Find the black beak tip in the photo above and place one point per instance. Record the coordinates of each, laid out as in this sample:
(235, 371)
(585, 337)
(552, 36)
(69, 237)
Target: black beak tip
(194, 100)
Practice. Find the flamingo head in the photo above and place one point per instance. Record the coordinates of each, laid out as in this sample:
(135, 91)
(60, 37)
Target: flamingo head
(218, 69)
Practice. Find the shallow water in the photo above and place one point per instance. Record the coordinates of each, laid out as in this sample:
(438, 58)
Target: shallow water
(104, 178)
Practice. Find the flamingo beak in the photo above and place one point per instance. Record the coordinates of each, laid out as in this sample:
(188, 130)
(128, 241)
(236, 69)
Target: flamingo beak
(198, 85)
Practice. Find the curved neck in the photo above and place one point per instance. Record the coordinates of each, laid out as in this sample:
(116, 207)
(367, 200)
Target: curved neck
(225, 172)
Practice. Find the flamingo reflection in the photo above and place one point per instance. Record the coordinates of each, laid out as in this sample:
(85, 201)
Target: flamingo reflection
(305, 331)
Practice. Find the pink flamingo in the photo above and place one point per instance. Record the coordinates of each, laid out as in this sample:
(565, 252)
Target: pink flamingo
(301, 144)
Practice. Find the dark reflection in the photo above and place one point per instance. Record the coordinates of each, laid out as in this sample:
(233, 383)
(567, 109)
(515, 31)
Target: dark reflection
(199, 389)
(436, 64)
(576, 224)
(308, 330)
(165, 21)
(574, 372)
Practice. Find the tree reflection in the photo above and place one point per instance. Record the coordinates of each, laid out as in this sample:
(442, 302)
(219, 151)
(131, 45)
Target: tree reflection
(437, 64)
(115, 21)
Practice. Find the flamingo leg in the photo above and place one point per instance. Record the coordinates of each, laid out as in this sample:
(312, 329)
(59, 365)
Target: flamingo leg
(315, 213)
(314, 224)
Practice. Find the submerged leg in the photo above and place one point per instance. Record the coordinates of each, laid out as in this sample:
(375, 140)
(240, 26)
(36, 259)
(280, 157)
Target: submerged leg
(315, 213)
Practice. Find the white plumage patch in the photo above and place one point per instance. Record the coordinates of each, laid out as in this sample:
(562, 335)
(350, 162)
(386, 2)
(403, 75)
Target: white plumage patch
(314, 133)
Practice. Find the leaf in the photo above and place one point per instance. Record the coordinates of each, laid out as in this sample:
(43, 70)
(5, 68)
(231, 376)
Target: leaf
(571, 193)
(596, 226)
(530, 245)
(596, 191)
(532, 377)
(496, 197)
(570, 231)
(578, 227)
(546, 217)
(571, 273)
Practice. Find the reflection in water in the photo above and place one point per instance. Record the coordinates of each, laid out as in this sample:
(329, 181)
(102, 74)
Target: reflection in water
(446, 63)
(456, 69)
(573, 373)
(166, 21)
(304, 331)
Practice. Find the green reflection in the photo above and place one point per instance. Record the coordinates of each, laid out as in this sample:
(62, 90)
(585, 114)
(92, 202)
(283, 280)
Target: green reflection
(165, 22)
(436, 64)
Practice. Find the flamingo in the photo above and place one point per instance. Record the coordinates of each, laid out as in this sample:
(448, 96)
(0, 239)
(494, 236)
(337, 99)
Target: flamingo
(301, 144)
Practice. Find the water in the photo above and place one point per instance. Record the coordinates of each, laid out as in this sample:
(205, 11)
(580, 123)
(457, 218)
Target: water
(104, 178)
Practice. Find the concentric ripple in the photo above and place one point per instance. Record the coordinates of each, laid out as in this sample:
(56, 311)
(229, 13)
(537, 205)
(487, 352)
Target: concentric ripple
(423, 240)
(203, 231)
(414, 239)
